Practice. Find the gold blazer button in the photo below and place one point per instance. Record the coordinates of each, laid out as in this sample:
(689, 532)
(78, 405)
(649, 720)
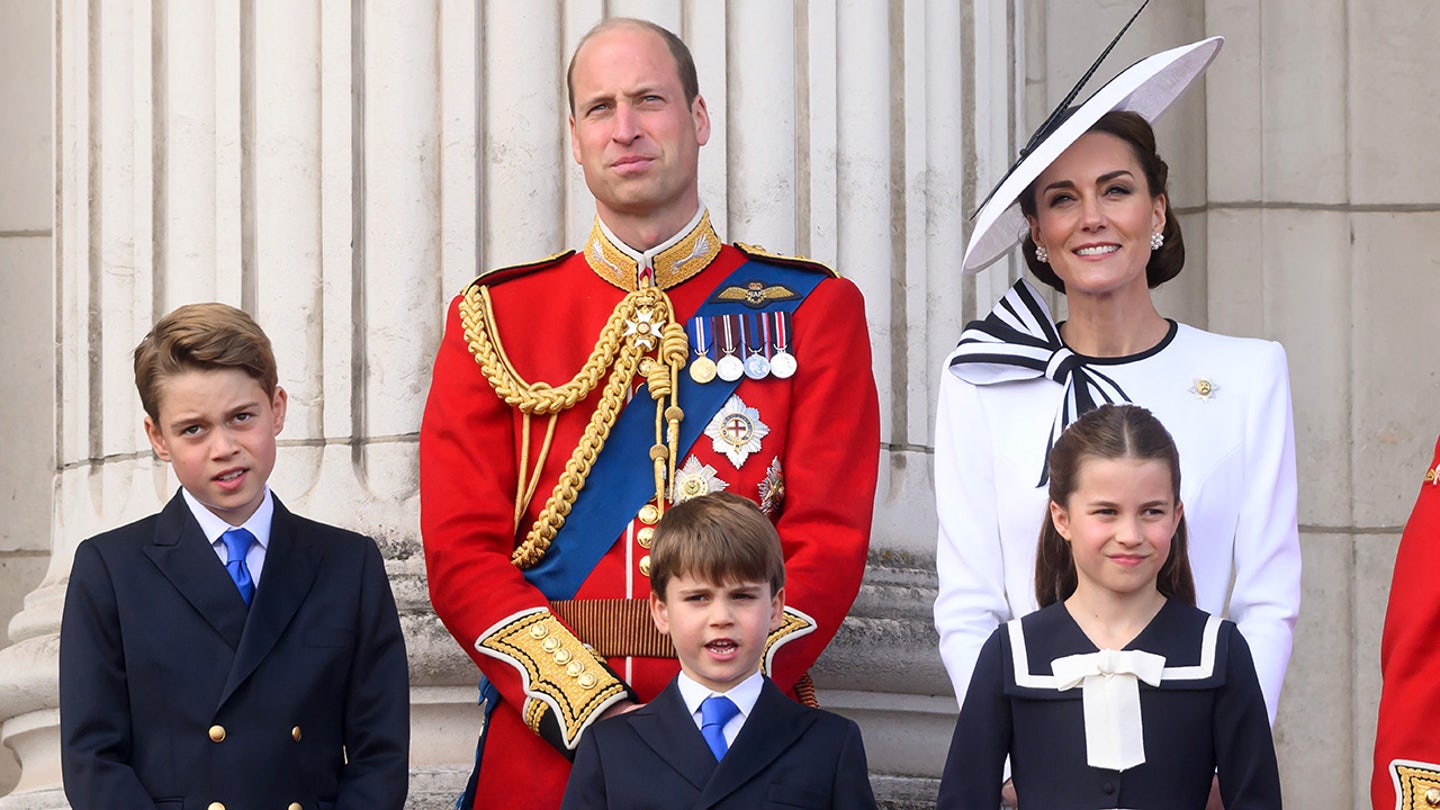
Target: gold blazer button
(295, 734)
(217, 734)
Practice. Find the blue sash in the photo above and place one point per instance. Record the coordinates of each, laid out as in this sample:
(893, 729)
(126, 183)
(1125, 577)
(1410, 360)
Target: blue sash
(622, 479)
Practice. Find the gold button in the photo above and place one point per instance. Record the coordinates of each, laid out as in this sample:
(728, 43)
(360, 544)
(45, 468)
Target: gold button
(575, 668)
(294, 806)
(645, 536)
(215, 806)
(562, 656)
(538, 631)
(217, 734)
(295, 734)
(649, 513)
(587, 681)
(645, 565)
(647, 365)
(1432, 797)
(550, 644)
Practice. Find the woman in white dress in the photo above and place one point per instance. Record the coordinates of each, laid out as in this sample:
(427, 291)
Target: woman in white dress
(1090, 197)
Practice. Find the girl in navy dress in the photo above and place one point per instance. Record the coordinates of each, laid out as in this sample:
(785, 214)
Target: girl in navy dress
(1118, 692)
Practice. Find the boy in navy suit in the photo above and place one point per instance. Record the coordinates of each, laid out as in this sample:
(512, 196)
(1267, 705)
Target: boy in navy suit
(721, 735)
(225, 652)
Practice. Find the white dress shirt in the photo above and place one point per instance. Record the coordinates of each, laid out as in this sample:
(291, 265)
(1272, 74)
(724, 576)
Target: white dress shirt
(258, 525)
(743, 695)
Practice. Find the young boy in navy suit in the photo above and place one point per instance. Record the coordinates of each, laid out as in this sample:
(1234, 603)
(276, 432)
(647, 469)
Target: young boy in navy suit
(721, 734)
(225, 652)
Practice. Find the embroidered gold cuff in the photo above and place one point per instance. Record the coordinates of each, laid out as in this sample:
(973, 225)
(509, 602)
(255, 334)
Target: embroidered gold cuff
(793, 624)
(560, 674)
(1417, 784)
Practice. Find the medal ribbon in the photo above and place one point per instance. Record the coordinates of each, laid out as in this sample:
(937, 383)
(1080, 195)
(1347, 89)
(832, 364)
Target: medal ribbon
(702, 345)
(758, 343)
(730, 348)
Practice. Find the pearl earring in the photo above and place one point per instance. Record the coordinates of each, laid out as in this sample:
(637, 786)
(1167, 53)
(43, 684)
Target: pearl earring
(1157, 240)
(1041, 254)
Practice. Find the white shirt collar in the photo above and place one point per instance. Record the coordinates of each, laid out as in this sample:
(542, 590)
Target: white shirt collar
(213, 526)
(743, 694)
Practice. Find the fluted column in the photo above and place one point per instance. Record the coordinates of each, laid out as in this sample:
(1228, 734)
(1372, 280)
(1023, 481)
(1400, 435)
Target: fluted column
(235, 151)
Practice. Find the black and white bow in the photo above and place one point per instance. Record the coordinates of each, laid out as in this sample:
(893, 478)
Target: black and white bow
(1018, 340)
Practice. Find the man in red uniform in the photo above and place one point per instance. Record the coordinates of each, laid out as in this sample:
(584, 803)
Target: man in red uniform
(575, 399)
(1407, 748)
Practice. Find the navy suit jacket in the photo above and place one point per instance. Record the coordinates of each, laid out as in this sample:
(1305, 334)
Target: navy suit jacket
(786, 755)
(174, 695)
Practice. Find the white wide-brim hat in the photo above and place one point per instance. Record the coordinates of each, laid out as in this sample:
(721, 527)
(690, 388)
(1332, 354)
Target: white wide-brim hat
(1147, 87)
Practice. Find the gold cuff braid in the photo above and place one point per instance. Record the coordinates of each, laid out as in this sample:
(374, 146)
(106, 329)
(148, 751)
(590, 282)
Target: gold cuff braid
(560, 674)
(641, 323)
(1417, 783)
(793, 624)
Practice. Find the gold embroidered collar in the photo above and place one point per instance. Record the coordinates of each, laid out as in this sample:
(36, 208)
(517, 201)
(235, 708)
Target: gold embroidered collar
(665, 265)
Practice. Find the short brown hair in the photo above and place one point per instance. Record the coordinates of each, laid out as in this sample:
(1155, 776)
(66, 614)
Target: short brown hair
(202, 337)
(1108, 432)
(720, 538)
(1165, 263)
(684, 62)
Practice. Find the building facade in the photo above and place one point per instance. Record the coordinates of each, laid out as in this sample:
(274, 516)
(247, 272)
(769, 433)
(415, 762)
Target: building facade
(341, 169)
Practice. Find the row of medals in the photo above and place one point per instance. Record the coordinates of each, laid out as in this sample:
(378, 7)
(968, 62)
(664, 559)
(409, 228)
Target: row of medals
(770, 358)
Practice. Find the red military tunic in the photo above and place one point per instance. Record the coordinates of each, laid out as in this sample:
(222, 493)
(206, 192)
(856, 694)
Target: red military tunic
(817, 465)
(1407, 748)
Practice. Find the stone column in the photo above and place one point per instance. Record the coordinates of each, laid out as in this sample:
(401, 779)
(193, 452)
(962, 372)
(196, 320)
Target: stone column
(27, 310)
(235, 151)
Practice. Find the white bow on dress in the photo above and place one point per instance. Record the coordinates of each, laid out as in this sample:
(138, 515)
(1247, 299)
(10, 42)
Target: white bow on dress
(1114, 735)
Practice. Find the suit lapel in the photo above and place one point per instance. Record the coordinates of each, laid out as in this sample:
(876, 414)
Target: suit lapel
(773, 726)
(668, 728)
(181, 553)
(290, 569)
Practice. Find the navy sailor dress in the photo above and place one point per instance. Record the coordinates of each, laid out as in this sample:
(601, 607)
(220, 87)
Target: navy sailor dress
(1039, 678)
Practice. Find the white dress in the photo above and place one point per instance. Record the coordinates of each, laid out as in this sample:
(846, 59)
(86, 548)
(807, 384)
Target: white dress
(1237, 463)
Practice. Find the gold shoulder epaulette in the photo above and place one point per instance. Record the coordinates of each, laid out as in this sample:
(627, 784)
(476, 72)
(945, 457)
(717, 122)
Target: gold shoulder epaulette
(494, 276)
(757, 252)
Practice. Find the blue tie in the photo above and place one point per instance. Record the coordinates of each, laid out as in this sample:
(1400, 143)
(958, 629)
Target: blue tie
(715, 712)
(237, 543)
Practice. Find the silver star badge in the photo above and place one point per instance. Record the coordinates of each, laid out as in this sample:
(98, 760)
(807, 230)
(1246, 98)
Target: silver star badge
(696, 479)
(736, 431)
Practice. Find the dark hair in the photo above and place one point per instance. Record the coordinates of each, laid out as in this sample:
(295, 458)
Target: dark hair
(684, 62)
(201, 337)
(1108, 432)
(1165, 263)
(721, 538)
